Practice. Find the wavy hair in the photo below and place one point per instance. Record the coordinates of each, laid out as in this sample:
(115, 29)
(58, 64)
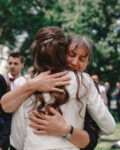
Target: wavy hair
(49, 51)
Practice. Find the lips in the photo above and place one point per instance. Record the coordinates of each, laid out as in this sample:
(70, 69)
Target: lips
(12, 70)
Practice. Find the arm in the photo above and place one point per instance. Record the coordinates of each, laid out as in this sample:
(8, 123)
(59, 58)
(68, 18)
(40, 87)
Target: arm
(56, 125)
(98, 111)
(44, 82)
(93, 130)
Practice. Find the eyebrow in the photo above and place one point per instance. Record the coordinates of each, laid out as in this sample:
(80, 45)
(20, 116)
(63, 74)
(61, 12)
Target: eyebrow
(73, 51)
(87, 54)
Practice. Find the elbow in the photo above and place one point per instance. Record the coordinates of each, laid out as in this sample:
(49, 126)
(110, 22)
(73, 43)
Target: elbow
(109, 130)
(113, 126)
(85, 144)
(4, 106)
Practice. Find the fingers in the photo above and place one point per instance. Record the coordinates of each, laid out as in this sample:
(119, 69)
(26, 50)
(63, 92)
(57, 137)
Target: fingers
(37, 120)
(40, 115)
(57, 90)
(40, 132)
(60, 74)
(62, 79)
(36, 113)
(62, 83)
(47, 72)
(53, 111)
(37, 126)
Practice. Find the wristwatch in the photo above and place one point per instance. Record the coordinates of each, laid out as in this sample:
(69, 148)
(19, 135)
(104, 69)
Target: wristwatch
(69, 135)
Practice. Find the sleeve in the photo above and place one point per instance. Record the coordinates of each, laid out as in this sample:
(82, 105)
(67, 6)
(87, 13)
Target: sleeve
(93, 140)
(98, 111)
(17, 136)
(93, 131)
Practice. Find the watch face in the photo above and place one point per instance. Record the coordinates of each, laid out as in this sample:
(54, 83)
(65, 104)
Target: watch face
(69, 136)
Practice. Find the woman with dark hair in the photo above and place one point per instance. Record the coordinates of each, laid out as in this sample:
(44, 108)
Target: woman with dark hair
(49, 51)
(5, 118)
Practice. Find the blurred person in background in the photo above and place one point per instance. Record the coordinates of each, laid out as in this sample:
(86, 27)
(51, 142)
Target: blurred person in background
(5, 118)
(117, 143)
(108, 92)
(118, 103)
(15, 66)
(116, 91)
(101, 89)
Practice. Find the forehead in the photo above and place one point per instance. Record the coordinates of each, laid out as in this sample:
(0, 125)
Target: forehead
(14, 59)
(82, 50)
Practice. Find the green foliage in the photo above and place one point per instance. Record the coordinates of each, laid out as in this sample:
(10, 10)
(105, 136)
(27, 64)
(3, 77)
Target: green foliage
(98, 19)
(106, 142)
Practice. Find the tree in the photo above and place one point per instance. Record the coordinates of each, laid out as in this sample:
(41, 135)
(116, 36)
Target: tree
(98, 19)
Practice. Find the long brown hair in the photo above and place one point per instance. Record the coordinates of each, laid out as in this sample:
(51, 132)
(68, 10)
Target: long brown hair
(49, 51)
(78, 41)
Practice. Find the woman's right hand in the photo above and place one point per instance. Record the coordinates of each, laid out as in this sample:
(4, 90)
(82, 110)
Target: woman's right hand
(46, 82)
(49, 124)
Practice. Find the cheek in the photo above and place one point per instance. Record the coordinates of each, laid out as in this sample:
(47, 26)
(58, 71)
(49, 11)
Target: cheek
(69, 59)
(84, 65)
(81, 66)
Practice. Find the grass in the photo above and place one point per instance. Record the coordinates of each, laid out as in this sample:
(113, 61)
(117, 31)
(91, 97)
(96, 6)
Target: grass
(106, 142)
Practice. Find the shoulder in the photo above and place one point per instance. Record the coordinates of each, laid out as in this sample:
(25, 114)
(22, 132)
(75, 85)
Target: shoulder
(3, 85)
(81, 81)
(2, 78)
(83, 77)
(20, 81)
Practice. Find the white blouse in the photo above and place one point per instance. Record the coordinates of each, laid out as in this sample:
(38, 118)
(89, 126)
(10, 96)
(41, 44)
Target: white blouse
(22, 136)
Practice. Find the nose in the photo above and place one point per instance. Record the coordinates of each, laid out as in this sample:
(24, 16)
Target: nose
(75, 61)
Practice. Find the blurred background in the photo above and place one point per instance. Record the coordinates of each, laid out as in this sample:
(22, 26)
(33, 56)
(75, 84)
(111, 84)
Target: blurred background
(98, 19)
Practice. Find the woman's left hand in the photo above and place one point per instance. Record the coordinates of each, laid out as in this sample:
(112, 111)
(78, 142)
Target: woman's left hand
(49, 124)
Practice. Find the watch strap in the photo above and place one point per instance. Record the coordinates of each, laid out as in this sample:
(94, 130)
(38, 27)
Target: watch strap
(69, 135)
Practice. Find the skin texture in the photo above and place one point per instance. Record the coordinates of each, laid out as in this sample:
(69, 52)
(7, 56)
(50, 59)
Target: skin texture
(15, 66)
